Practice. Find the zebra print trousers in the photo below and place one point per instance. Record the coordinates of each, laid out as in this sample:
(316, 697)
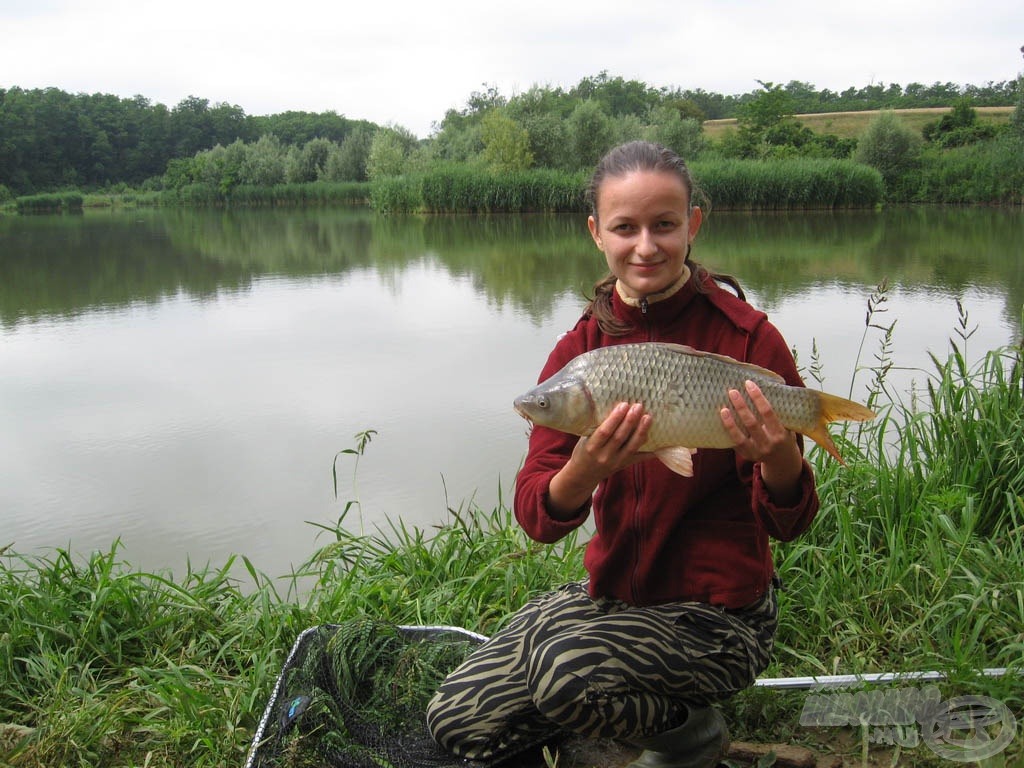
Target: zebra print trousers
(597, 667)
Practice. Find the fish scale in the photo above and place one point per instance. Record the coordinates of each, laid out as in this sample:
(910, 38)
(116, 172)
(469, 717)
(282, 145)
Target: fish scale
(683, 389)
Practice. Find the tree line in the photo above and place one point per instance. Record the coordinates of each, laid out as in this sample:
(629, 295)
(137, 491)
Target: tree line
(51, 139)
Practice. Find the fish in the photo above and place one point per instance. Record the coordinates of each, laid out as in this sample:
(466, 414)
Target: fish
(684, 390)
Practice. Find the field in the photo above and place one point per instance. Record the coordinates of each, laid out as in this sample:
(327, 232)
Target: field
(850, 125)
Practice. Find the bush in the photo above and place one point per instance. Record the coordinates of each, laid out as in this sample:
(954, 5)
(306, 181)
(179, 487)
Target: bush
(890, 147)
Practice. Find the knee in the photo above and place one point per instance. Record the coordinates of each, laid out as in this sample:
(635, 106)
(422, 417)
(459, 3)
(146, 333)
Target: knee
(557, 677)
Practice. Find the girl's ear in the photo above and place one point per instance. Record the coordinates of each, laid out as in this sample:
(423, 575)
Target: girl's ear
(696, 217)
(595, 232)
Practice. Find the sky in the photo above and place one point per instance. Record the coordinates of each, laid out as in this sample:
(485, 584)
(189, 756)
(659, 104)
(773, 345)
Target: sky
(408, 62)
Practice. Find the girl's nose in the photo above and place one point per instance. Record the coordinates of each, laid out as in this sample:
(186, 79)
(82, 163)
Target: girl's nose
(645, 245)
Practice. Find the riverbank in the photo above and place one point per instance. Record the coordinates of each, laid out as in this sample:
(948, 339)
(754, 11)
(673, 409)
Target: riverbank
(915, 563)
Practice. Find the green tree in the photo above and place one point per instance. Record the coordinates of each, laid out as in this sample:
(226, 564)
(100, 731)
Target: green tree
(548, 136)
(347, 162)
(389, 150)
(506, 144)
(591, 134)
(263, 164)
(892, 148)
(683, 135)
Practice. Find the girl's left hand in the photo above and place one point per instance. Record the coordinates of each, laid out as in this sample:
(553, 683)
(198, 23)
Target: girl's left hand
(760, 436)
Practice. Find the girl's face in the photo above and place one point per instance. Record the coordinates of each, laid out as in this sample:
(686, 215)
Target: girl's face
(644, 226)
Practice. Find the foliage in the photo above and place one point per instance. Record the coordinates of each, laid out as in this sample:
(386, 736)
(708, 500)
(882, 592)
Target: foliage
(768, 130)
(988, 172)
(590, 134)
(53, 140)
(389, 152)
(958, 127)
(889, 147)
(669, 127)
(506, 145)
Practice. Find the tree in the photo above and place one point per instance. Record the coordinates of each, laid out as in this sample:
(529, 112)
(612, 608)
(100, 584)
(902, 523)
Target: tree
(891, 147)
(263, 164)
(590, 134)
(389, 151)
(347, 162)
(506, 144)
(682, 135)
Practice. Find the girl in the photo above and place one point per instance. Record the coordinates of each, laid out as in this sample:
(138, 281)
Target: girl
(679, 609)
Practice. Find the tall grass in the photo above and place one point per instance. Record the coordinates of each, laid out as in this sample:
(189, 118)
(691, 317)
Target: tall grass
(799, 183)
(316, 193)
(915, 562)
(54, 202)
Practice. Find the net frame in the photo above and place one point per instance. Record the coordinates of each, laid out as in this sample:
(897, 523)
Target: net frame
(262, 737)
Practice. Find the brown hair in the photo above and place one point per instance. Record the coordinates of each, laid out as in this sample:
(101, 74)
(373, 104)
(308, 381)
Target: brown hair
(620, 161)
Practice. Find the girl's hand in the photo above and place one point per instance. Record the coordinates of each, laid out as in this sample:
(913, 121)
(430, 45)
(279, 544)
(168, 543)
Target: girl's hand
(614, 445)
(759, 436)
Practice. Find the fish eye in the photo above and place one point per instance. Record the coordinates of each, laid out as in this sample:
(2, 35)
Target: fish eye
(542, 401)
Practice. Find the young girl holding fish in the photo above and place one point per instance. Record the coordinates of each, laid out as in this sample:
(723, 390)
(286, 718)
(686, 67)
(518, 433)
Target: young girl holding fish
(678, 610)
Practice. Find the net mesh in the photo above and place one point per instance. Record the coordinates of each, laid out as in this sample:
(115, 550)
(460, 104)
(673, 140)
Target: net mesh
(354, 695)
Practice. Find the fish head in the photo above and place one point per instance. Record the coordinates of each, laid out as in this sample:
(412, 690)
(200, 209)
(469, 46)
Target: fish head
(562, 402)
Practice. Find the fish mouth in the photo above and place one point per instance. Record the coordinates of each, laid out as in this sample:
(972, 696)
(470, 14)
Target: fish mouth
(518, 405)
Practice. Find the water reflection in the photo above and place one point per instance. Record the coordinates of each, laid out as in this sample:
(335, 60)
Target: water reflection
(63, 265)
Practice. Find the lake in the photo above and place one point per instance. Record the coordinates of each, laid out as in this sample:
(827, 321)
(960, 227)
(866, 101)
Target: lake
(183, 381)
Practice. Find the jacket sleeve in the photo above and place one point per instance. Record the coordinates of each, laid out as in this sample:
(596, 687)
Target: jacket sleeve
(769, 350)
(548, 452)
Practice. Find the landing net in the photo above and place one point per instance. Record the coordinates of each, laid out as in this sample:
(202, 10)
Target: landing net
(354, 695)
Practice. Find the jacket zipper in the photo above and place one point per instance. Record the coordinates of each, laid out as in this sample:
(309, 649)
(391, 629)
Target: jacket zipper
(638, 490)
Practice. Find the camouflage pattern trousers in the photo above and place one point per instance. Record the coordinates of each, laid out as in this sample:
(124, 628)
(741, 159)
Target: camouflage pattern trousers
(600, 668)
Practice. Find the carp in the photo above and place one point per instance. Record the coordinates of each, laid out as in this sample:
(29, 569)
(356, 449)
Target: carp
(684, 390)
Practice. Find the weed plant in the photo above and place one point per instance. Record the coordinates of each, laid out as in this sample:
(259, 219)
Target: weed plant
(915, 562)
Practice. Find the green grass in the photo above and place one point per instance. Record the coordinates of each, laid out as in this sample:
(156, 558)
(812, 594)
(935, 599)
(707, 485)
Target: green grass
(915, 562)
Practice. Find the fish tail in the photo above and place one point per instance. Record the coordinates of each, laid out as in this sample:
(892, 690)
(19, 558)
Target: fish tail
(835, 408)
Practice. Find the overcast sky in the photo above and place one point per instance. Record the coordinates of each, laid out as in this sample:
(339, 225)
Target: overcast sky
(407, 62)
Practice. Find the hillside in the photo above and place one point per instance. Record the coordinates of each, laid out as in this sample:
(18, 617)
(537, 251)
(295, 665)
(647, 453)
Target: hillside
(853, 124)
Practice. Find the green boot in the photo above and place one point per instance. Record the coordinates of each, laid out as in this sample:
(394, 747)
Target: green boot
(699, 742)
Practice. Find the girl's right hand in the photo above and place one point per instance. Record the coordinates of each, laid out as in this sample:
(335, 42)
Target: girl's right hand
(614, 445)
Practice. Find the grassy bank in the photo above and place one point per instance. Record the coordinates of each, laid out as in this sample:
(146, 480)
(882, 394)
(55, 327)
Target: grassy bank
(916, 562)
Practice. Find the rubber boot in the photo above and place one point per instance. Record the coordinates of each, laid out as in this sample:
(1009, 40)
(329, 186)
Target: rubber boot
(699, 742)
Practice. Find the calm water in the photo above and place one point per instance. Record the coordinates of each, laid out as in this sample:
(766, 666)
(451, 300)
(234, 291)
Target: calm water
(183, 380)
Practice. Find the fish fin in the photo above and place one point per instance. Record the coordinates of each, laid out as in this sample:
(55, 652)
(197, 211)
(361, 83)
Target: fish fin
(684, 349)
(678, 458)
(835, 408)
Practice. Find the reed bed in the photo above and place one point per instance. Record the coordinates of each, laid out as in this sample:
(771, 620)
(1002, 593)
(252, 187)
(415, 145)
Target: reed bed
(915, 562)
(798, 183)
(316, 193)
(55, 202)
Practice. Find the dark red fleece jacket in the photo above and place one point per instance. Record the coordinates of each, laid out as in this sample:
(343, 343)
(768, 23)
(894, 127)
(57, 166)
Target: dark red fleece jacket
(661, 537)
